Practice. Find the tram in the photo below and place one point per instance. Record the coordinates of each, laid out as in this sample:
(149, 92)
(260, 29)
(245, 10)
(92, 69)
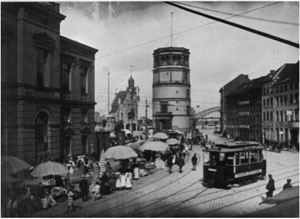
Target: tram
(233, 163)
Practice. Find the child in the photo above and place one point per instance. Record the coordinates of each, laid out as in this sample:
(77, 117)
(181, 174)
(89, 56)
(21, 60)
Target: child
(70, 200)
(97, 191)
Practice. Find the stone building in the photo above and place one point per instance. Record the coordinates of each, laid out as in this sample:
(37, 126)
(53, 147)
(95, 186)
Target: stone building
(244, 110)
(171, 89)
(125, 106)
(280, 106)
(224, 91)
(47, 85)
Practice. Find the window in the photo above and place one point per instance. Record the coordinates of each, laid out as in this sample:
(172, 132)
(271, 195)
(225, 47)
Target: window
(185, 77)
(84, 116)
(66, 67)
(291, 97)
(67, 116)
(188, 110)
(44, 67)
(41, 132)
(187, 93)
(84, 80)
(84, 143)
(164, 107)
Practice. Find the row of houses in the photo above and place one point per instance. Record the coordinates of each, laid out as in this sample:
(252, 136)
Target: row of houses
(265, 109)
(47, 85)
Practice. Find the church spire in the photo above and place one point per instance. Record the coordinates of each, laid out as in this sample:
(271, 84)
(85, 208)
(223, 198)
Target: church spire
(131, 80)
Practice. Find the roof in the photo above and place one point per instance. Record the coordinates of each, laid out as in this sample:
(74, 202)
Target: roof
(253, 84)
(115, 105)
(236, 146)
(287, 73)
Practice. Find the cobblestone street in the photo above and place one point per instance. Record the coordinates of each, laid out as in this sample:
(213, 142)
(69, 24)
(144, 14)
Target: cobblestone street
(182, 194)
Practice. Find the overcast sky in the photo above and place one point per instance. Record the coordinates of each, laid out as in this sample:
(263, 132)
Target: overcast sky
(127, 33)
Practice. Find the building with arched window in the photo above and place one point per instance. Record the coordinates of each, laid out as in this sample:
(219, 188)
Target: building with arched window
(47, 90)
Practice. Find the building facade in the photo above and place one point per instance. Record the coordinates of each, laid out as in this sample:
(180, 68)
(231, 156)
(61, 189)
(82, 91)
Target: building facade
(171, 89)
(224, 91)
(280, 106)
(125, 106)
(244, 107)
(45, 92)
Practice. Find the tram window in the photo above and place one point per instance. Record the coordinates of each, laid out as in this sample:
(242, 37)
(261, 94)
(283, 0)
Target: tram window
(213, 159)
(254, 156)
(222, 157)
(244, 157)
(237, 159)
(229, 158)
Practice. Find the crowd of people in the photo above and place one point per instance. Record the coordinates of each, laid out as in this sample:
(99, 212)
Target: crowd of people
(92, 180)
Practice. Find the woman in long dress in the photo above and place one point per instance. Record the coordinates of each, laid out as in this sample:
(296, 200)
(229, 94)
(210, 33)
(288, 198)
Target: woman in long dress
(128, 180)
(123, 180)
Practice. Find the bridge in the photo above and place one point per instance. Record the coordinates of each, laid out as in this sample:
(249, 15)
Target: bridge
(211, 113)
(210, 117)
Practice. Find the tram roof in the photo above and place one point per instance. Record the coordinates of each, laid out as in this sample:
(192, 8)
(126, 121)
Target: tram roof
(236, 146)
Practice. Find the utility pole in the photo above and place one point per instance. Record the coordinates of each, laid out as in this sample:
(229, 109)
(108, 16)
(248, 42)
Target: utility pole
(171, 28)
(108, 73)
(146, 122)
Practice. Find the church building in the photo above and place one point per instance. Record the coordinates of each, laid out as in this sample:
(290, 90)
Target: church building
(125, 106)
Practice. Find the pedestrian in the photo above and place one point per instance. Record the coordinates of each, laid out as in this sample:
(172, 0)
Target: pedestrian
(194, 161)
(170, 163)
(84, 187)
(180, 163)
(270, 187)
(206, 137)
(70, 195)
(97, 191)
(288, 184)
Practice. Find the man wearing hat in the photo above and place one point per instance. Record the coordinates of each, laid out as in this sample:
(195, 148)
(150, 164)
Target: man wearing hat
(288, 184)
(270, 187)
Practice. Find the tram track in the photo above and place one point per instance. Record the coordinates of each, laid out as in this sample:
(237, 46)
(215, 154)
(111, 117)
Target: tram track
(211, 200)
(121, 205)
(158, 200)
(153, 202)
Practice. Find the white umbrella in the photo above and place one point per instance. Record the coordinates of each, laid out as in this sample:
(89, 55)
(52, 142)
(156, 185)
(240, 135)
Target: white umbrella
(135, 145)
(161, 135)
(154, 146)
(172, 141)
(49, 168)
(120, 152)
(13, 164)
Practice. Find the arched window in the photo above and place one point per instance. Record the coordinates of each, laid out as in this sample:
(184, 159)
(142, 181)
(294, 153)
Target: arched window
(41, 132)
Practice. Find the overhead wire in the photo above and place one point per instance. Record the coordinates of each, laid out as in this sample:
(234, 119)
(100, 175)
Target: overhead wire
(180, 32)
(243, 16)
(248, 29)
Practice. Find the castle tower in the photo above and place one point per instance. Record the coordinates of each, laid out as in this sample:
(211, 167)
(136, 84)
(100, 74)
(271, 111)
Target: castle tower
(171, 89)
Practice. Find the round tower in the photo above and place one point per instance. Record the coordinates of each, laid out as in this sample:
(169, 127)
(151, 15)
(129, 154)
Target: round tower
(171, 88)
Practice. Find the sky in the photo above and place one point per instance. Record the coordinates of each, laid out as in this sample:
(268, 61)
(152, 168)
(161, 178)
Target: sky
(127, 33)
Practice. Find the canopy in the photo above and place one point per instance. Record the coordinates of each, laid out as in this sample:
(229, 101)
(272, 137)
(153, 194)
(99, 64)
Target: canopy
(173, 141)
(120, 152)
(154, 146)
(135, 145)
(6, 178)
(13, 164)
(161, 135)
(49, 168)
